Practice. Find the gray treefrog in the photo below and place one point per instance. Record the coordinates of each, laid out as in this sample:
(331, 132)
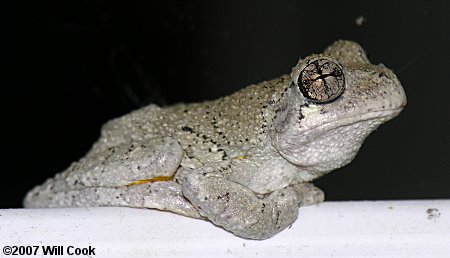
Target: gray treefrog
(244, 161)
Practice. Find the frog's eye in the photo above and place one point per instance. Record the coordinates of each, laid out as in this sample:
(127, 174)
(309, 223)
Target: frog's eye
(321, 80)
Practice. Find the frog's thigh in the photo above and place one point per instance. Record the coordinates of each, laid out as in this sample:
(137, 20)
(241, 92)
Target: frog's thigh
(158, 195)
(117, 166)
(238, 209)
(127, 163)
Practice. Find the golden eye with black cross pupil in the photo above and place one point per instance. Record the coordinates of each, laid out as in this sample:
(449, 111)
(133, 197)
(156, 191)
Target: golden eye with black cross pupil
(321, 80)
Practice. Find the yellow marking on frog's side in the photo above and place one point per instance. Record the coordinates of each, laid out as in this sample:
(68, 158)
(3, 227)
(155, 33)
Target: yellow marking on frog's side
(241, 157)
(151, 180)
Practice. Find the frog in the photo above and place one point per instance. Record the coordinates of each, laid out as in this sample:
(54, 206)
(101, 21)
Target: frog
(244, 162)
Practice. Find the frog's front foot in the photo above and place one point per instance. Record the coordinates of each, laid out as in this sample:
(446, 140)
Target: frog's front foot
(238, 209)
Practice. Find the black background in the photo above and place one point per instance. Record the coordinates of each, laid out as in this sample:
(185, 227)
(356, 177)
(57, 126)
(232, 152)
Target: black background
(69, 66)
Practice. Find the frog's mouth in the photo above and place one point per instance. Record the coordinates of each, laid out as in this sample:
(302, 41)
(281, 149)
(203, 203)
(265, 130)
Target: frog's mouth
(379, 117)
(331, 145)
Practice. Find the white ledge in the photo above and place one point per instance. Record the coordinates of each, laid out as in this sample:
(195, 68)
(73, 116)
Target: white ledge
(338, 229)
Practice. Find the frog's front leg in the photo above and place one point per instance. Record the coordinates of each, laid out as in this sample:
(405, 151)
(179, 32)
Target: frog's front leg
(240, 210)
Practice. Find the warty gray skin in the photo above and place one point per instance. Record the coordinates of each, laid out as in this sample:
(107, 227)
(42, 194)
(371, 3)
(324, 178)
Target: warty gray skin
(243, 161)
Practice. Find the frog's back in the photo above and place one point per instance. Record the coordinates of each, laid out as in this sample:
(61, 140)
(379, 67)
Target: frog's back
(234, 120)
(231, 120)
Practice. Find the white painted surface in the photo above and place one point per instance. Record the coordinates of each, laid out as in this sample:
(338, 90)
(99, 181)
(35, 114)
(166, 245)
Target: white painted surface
(338, 229)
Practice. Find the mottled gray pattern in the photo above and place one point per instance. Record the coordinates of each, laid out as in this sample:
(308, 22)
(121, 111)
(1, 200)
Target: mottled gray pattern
(243, 161)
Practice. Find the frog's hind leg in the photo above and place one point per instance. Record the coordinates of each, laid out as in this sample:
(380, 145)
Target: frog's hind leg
(158, 195)
(130, 163)
(308, 194)
(118, 166)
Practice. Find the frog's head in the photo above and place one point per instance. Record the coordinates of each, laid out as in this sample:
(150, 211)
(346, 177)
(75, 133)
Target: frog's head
(335, 100)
